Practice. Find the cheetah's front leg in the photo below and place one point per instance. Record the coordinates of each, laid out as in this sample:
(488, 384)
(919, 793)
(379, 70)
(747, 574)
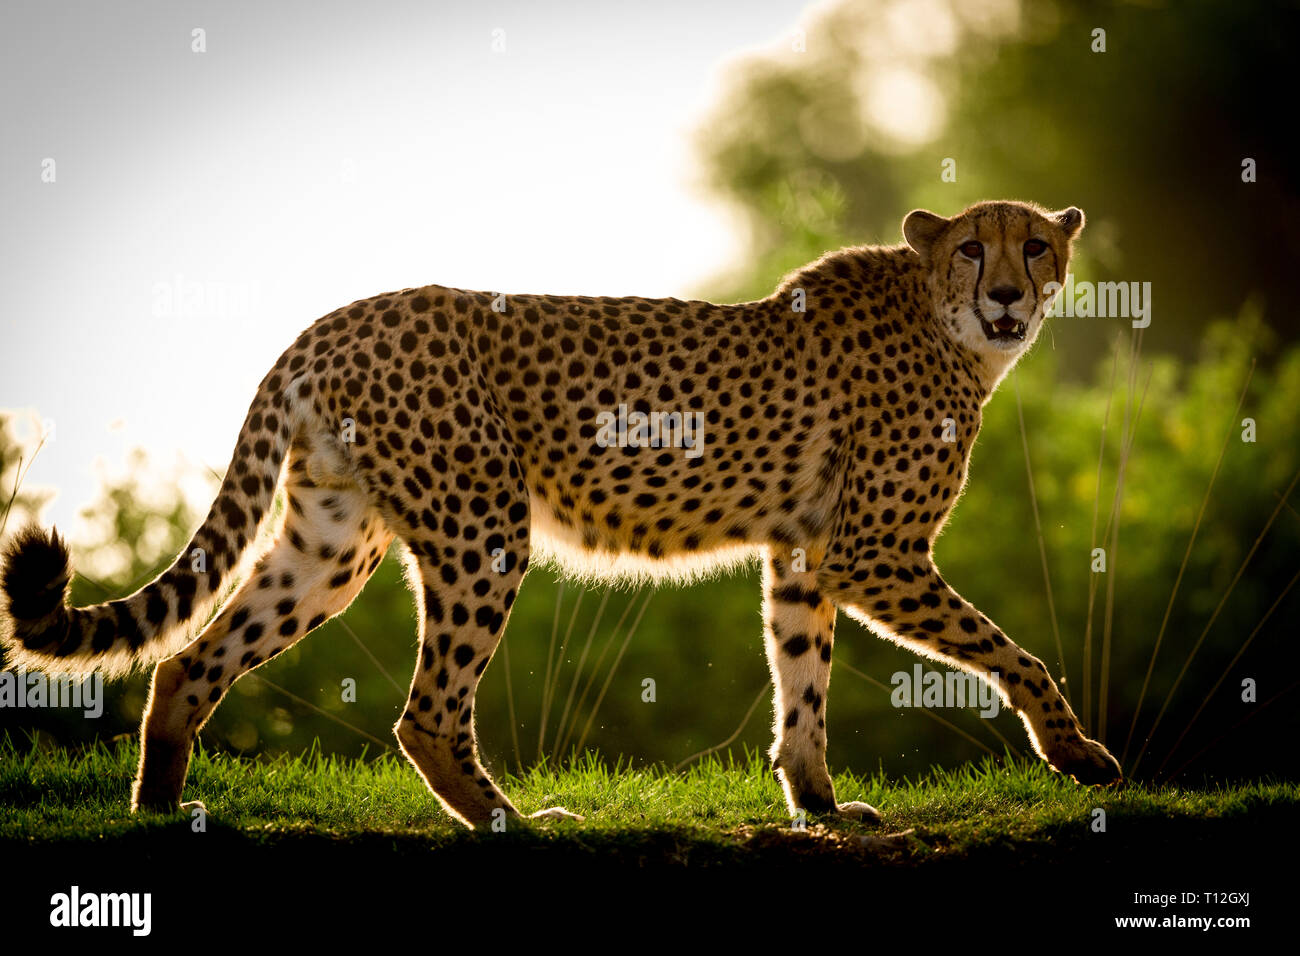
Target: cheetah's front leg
(908, 601)
(799, 628)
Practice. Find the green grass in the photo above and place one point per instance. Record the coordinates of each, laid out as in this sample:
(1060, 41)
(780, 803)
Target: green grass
(712, 813)
(330, 847)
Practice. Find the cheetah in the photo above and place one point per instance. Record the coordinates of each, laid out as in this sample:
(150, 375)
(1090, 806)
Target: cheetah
(835, 417)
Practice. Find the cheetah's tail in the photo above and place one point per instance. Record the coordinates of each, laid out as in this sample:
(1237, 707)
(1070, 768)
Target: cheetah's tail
(39, 631)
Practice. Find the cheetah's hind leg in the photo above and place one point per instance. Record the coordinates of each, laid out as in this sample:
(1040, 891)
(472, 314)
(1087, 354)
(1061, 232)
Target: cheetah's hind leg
(330, 544)
(466, 584)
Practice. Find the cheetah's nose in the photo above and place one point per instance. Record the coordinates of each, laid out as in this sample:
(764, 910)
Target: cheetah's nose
(1005, 294)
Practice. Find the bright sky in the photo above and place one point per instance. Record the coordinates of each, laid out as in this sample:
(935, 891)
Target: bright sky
(208, 207)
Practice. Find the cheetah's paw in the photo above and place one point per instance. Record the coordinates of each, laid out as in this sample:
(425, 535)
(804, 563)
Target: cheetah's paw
(556, 813)
(859, 811)
(1087, 761)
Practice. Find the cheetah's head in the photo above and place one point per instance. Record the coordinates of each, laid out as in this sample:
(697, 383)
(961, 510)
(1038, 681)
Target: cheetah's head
(989, 269)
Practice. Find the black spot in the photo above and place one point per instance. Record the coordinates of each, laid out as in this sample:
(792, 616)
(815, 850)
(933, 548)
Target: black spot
(794, 594)
(797, 645)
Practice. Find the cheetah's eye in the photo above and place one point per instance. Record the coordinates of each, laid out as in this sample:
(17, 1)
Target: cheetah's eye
(1035, 247)
(972, 249)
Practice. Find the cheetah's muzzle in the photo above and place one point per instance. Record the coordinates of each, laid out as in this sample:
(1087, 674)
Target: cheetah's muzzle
(1004, 329)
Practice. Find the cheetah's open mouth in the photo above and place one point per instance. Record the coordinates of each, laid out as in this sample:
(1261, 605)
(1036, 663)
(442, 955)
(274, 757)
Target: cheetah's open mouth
(1003, 329)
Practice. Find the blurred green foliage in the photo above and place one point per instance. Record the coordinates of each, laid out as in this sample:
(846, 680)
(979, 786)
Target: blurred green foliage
(1148, 138)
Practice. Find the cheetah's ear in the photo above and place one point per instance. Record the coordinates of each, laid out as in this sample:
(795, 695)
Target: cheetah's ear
(921, 229)
(1070, 220)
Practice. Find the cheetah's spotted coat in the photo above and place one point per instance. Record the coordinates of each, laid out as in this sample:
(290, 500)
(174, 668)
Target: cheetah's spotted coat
(475, 441)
